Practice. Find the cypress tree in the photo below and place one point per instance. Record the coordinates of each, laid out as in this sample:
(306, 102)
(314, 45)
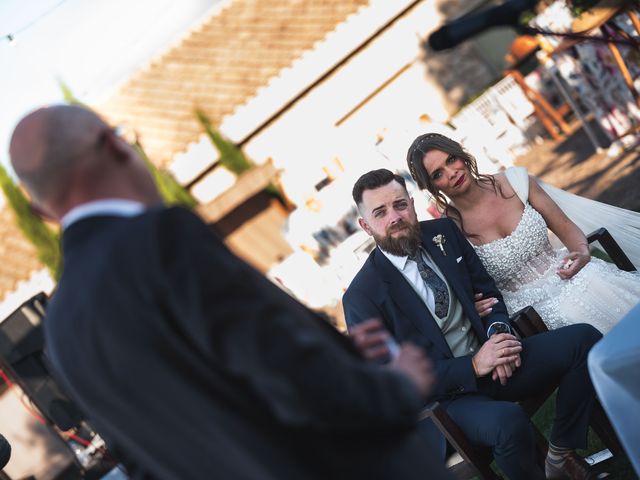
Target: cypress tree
(44, 239)
(231, 157)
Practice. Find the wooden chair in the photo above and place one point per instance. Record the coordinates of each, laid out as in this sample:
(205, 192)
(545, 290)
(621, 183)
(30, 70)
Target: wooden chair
(477, 460)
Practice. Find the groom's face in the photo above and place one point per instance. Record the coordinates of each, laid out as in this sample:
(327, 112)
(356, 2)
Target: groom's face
(389, 216)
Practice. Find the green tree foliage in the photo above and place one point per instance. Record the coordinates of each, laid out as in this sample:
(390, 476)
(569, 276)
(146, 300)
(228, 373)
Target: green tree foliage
(45, 240)
(68, 95)
(231, 157)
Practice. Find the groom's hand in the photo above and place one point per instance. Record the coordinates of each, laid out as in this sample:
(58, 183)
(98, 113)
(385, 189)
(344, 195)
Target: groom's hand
(501, 349)
(504, 372)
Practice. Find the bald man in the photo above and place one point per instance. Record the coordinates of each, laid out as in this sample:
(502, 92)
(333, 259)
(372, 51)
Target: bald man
(190, 363)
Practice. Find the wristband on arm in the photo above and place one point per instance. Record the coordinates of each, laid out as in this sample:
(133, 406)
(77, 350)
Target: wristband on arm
(498, 327)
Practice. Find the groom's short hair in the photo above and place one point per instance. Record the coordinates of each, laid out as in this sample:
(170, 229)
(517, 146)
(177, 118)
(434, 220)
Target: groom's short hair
(372, 180)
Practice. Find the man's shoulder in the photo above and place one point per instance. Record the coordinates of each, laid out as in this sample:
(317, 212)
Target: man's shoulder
(152, 227)
(171, 222)
(130, 226)
(170, 214)
(436, 225)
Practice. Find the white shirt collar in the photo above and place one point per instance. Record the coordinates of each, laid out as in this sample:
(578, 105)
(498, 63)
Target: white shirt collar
(111, 206)
(398, 262)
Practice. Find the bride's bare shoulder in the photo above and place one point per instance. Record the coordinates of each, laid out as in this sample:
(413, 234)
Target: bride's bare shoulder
(503, 183)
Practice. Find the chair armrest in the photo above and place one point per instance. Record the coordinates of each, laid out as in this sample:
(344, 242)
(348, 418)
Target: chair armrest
(527, 322)
(611, 247)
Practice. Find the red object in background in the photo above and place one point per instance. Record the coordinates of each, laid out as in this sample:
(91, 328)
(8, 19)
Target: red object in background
(433, 211)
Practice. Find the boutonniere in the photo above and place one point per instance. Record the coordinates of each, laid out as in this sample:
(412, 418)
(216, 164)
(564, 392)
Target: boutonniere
(439, 241)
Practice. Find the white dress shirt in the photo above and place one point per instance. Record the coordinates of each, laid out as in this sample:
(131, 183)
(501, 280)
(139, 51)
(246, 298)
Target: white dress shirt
(110, 206)
(409, 270)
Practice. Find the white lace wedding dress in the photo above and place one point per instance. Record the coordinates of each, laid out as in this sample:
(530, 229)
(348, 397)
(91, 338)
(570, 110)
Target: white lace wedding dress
(524, 266)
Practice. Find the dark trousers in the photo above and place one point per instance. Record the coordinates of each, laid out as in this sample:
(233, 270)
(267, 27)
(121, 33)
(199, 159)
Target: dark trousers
(490, 418)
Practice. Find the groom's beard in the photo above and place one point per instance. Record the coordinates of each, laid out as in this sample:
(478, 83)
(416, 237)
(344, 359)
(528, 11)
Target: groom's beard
(405, 245)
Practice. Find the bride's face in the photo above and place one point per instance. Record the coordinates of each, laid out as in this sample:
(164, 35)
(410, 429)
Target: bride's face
(447, 173)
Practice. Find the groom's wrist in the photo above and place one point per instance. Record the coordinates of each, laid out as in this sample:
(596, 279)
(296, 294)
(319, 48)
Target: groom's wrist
(498, 327)
(475, 368)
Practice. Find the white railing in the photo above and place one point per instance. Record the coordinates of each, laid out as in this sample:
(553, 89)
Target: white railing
(501, 116)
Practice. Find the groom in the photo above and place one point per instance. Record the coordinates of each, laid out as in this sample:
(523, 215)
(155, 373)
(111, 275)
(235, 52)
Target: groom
(420, 281)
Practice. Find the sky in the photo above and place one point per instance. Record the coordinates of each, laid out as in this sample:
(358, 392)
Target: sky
(91, 45)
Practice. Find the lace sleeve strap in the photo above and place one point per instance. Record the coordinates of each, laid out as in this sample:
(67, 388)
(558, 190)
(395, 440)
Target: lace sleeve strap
(518, 177)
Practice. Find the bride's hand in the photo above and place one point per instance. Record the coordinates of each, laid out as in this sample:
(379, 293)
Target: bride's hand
(572, 264)
(483, 305)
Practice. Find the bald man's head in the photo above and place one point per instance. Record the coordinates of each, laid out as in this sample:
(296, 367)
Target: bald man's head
(49, 145)
(67, 155)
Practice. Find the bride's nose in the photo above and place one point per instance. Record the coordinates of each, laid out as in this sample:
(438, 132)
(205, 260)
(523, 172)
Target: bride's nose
(451, 172)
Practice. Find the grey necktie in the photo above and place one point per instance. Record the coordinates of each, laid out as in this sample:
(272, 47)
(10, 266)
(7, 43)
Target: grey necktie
(435, 283)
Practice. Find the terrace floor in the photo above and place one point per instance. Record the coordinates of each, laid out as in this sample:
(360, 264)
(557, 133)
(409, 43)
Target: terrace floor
(574, 165)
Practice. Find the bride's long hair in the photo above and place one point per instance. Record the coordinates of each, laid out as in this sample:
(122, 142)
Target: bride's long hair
(435, 141)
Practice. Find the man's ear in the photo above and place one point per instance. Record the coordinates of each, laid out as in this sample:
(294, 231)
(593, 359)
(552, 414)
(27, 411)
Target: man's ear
(413, 207)
(40, 210)
(364, 226)
(116, 145)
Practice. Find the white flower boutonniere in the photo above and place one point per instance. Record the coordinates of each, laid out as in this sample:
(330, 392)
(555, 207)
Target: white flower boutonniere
(439, 241)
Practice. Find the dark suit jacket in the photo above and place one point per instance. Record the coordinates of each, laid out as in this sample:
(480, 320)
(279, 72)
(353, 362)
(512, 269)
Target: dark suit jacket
(193, 365)
(379, 290)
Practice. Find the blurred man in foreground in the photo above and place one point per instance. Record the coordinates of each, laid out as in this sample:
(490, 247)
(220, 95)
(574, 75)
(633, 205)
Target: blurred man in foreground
(190, 363)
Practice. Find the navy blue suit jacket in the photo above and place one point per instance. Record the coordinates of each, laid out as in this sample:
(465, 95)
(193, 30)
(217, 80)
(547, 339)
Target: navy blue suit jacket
(194, 366)
(379, 290)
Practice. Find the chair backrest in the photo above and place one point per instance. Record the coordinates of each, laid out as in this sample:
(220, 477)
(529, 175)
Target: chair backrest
(612, 249)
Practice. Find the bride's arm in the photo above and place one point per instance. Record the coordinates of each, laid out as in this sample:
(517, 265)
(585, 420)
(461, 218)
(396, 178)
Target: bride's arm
(567, 231)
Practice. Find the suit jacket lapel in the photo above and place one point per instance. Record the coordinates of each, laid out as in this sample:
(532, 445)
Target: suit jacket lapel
(444, 262)
(405, 297)
(447, 265)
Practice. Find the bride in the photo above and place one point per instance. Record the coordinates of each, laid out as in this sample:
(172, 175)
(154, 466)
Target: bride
(507, 216)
